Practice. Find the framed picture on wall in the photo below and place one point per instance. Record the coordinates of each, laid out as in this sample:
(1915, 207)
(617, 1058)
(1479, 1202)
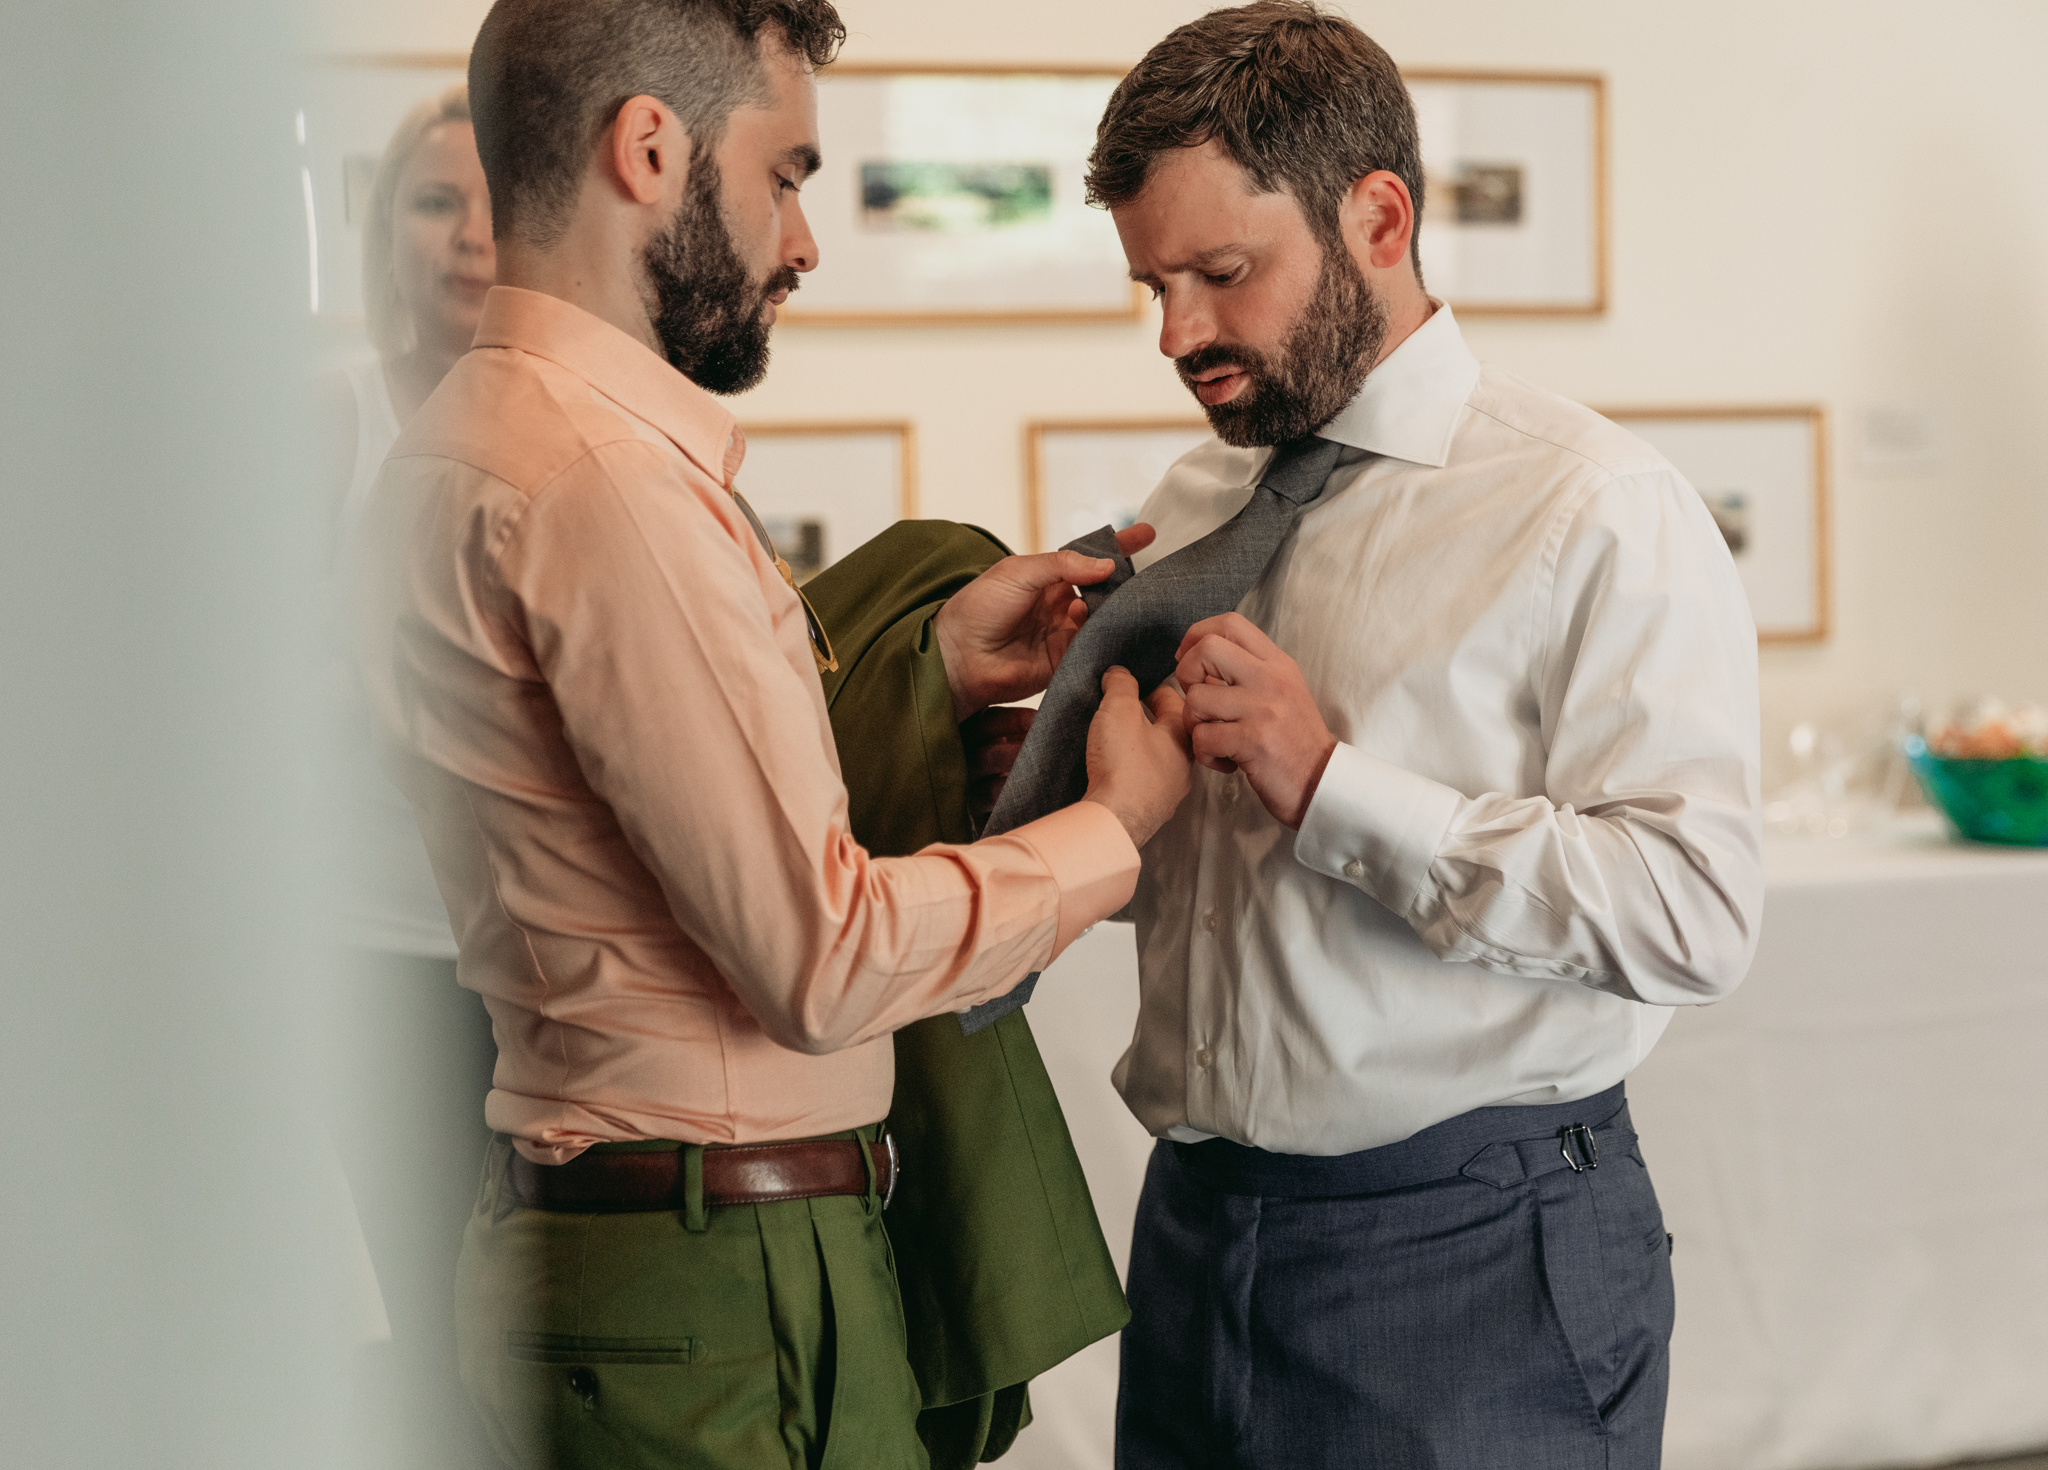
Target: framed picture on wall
(1763, 474)
(823, 489)
(1514, 217)
(954, 194)
(1081, 475)
(349, 107)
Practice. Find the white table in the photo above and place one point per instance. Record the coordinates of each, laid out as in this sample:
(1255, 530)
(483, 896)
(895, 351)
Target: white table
(1852, 1152)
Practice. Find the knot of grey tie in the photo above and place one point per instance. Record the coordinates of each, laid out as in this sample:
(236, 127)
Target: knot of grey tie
(1138, 622)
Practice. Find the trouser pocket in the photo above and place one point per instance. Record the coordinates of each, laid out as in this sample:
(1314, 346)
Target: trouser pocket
(1607, 1271)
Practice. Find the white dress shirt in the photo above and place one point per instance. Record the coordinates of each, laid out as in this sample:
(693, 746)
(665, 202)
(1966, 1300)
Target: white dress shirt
(1539, 830)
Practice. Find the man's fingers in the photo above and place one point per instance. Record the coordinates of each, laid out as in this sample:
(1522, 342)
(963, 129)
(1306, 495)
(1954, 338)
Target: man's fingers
(1118, 683)
(1213, 745)
(1165, 704)
(1233, 628)
(1169, 712)
(1069, 567)
(1133, 539)
(1001, 722)
(1208, 703)
(1214, 657)
(993, 760)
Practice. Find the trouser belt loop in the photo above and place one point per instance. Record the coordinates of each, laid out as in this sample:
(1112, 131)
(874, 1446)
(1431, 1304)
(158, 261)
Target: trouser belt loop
(872, 1200)
(695, 1219)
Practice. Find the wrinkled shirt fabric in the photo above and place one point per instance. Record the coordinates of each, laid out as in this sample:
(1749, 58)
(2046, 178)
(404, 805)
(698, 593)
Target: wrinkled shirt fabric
(598, 693)
(1539, 832)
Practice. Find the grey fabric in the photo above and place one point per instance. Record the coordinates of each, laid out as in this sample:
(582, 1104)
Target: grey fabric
(1462, 1300)
(1139, 625)
(1102, 542)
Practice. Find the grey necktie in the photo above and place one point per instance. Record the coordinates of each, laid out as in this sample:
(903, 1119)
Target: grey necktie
(1138, 622)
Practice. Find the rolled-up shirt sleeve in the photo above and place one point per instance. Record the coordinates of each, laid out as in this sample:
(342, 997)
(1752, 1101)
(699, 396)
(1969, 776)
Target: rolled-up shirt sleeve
(1638, 869)
(665, 647)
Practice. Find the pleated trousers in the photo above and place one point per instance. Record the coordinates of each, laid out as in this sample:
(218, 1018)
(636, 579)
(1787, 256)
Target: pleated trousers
(1483, 1296)
(771, 1337)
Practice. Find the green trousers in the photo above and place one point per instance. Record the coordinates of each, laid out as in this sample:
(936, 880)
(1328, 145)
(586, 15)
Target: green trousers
(768, 1336)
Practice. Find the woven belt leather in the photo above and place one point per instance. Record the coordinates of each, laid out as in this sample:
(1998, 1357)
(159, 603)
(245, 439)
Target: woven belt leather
(598, 1183)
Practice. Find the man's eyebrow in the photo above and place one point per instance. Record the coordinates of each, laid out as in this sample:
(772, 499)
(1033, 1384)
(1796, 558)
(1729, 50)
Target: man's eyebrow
(805, 157)
(1200, 262)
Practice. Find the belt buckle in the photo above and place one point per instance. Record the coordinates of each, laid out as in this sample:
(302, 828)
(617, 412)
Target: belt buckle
(895, 1169)
(1589, 1151)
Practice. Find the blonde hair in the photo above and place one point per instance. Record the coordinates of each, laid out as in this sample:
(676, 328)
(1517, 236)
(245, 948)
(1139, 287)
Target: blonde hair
(391, 328)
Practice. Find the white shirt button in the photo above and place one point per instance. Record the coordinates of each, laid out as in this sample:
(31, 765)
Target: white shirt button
(1204, 1057)
(1211, 921)
(1354, 870)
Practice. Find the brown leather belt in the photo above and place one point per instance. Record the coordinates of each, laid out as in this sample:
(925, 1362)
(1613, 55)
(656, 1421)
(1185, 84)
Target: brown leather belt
(604, 1182)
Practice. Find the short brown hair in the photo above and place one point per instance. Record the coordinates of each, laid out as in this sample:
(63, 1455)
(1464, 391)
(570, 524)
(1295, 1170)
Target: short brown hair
(1301, 99)
(546, 77)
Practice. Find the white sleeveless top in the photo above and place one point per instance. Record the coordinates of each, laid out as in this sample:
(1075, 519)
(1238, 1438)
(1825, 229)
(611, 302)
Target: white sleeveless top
(389, 900)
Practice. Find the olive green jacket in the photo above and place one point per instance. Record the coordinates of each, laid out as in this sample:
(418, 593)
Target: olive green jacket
(1003, 1267)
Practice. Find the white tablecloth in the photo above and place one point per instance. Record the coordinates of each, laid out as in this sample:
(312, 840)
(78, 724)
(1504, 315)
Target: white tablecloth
(1852, 1152)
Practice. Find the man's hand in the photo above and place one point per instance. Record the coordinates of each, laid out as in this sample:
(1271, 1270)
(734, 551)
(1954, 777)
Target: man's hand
(1002, 635)
(992, 739)
(1137, 755)
(1249, 710)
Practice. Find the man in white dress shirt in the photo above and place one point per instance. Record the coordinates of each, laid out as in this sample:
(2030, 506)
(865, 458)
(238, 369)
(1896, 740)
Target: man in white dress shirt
(1479, 809)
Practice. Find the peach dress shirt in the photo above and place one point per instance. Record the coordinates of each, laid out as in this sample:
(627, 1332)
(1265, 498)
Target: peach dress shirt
(599, 695)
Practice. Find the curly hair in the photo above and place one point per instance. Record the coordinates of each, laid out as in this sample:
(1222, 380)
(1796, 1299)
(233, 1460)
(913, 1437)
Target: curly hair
(1300, 98)
(546, 77)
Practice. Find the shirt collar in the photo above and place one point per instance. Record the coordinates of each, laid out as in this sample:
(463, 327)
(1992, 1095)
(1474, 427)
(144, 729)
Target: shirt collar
(1410, 403)
(625, 370)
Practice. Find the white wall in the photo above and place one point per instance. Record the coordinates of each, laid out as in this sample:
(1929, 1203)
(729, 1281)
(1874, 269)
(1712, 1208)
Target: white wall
(1832, 201)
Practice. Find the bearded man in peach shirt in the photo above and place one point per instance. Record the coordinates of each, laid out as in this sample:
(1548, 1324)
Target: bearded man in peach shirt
(601, 692)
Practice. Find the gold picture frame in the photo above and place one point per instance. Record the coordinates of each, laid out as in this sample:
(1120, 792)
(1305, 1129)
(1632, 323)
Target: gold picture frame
(1055, 508)
(1515, 239)
(824, 487)
(1769, 493)
(913, 276)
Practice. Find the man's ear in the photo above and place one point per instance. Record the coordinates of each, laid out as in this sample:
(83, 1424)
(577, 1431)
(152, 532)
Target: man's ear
(1378, 220)
(647, 150)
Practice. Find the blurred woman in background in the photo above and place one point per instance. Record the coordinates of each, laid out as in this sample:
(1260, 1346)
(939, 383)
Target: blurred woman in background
(414, 1049)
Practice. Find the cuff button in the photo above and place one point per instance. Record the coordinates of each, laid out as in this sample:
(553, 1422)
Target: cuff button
(1354, 870)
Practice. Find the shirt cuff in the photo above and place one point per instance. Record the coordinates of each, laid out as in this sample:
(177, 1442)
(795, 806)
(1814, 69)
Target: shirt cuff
(1375, 826)
(1090, 856)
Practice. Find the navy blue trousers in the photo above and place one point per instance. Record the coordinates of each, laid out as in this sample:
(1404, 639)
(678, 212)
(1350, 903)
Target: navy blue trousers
(1462, 1300)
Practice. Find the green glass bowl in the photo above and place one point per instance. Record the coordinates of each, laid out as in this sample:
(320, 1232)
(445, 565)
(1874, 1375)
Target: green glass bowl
(1989, 801)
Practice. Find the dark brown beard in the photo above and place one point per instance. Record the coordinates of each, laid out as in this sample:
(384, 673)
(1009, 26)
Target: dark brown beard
(1330, 347)
(708, 314)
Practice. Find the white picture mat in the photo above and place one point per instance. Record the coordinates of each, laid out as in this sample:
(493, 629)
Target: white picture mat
(851, 480)
(1090, 478)
(1070, 262)
(352, 111)
(1773, 461)
(1551, 257)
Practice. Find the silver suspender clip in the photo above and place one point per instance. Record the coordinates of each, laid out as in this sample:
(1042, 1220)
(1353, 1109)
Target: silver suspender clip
(1580, 1137)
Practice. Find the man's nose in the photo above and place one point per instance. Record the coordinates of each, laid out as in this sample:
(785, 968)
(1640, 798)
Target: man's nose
(1182, 328)
(799, 249)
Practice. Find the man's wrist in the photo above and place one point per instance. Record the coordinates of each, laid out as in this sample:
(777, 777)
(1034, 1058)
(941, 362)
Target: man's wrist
(965, 704)
(1314, 782)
